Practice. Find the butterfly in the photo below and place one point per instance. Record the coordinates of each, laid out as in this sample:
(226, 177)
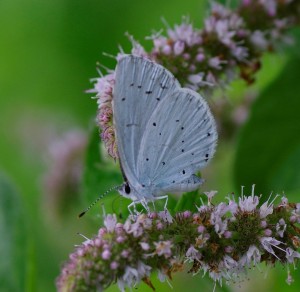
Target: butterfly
(165, 133)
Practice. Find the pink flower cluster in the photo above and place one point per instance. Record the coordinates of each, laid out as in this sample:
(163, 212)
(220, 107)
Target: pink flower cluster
(62, 179)
(222, 240)
(231, 41)
(104, 88)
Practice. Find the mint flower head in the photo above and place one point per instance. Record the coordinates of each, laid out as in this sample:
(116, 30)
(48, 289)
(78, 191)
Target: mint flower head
(229, 45)
(221, 240)
(65, 167)
(103, 87)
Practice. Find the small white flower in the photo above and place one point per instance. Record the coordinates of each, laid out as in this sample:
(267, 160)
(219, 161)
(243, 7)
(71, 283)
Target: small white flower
(252, 256)
(131, 276)
(186, 33)
(163, 248)
(248, 204)
(143, 269)
(270, 6)
(291, 255)
(210, 195)
(232, 207)
(145, 221)
(165, 216)
(133, 228)
(192, 253)
(159, 42)
(268, 243)
(179, 47)
(284, 201)
(110, 222)
(265, 210)
(195, 78)
(161, 276)
(216, 63)
(223, 32)
(201, 240)
(144, 245)
(229, 263)
(241, 53)
(219, 224)
(258, 39)
(281, 227)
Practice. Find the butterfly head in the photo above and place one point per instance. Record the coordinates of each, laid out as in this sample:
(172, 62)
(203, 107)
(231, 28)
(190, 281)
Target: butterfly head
(127, 191)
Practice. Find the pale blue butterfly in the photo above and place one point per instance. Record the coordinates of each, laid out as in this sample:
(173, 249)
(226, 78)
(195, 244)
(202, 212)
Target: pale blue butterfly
(165, 133)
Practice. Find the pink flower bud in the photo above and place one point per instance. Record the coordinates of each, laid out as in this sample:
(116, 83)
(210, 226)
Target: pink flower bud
(228, 249)
(106, 254)
(186, 214)
(263, 224)
(201, 229)
(200, 57)
(114, 265)
(268, 232)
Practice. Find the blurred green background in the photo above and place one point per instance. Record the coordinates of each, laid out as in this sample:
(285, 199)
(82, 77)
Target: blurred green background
(48, 54)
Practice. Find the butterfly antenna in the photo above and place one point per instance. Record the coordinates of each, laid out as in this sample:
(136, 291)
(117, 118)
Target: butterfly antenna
(97, 200)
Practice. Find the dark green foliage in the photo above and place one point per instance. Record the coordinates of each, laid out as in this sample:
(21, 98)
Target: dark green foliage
(99, 176)
(188, 201)
(268, 149)
(13, 243)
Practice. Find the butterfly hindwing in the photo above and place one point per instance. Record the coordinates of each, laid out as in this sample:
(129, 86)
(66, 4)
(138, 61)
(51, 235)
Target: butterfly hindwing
(179, 139)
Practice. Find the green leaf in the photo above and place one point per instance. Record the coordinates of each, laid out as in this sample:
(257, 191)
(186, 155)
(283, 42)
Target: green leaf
(188, 201)
(13, 243)
(100, 174)
(268, 153)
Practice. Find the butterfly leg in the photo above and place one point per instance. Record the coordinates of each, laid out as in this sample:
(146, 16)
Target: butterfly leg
(161, 198)
(153, 205)
(145, 205)
(133, 205)
(166, 203)
(129, 208)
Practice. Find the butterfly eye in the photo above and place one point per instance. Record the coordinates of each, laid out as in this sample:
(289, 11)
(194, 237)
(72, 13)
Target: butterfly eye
(127, 189)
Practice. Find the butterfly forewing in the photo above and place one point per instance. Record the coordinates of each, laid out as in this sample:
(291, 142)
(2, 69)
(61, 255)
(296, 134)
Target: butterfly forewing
(140, 87)
(179, 139)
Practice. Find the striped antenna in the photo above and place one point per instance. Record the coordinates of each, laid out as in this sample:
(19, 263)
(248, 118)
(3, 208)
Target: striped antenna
(99, 198)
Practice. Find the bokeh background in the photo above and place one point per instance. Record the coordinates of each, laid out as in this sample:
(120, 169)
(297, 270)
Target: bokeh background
(48, 54)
